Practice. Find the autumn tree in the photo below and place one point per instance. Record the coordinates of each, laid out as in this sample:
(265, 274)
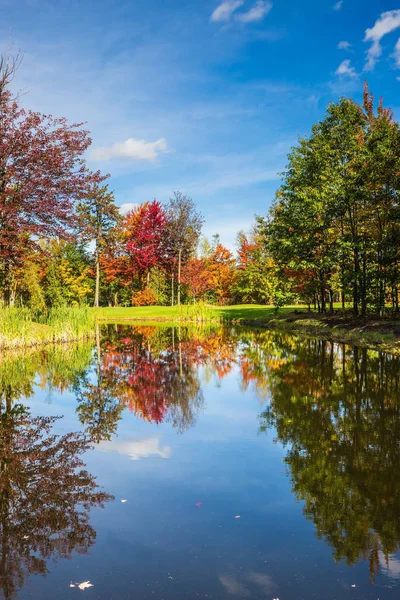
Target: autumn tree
(42, 175)
(145, 228)
(184, 229)
(222, 273)
(98, 216)
(257, 278)
(196, 278)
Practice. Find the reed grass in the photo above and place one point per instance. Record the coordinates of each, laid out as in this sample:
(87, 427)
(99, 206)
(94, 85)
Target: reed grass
(21, 327)
(198, 313)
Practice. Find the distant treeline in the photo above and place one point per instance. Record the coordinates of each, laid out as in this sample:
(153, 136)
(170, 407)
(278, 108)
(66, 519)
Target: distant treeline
(63, 240)
(332, 234)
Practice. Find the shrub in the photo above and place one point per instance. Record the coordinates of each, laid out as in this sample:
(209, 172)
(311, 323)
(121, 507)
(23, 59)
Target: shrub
(146, 297)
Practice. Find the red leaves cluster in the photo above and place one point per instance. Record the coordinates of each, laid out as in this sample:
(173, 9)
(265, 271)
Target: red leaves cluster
(42, 175)
(147, 237)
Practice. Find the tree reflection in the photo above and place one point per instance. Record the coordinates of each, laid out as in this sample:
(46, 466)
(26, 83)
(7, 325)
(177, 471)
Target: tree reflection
(45, 495)
(155, 378)
(338, 411)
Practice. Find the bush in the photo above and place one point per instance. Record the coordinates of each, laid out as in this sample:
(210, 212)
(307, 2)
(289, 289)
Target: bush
(146, 297)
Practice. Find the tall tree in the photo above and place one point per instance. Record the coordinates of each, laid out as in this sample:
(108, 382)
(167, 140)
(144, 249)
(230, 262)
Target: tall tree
(98, 216)
(42, 174)
(146, 229)
(184, 225)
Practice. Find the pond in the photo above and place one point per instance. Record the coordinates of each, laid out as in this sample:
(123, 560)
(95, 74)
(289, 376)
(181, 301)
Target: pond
(223, 463)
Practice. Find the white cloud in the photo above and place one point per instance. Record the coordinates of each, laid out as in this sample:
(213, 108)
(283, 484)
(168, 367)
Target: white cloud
(387, 22)
(225, 10)
(338, 5)
(397, 53)
(137, 449)
(346, 70)
(256, 13)
(344, 45)
(131, 148)
(127, 207)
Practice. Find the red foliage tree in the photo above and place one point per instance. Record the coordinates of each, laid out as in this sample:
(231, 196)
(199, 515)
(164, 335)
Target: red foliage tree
(196, 277)
(42, 175)
(147, 238)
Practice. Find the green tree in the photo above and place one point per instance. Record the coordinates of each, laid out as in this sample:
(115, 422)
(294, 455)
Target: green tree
(97, 217)
(184, 230)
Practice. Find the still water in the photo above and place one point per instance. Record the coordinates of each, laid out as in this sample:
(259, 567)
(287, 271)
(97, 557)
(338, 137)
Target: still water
(223, 463)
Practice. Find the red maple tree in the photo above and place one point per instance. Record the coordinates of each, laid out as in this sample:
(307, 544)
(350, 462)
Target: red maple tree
(147, 238)
(42, 175)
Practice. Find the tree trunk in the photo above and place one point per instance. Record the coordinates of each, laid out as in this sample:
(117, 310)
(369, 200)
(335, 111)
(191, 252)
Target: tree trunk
(172, 289)
(364, 285)
(330, 301)
(97, 290)
(355, 282)
(179, 275)
(322, 288)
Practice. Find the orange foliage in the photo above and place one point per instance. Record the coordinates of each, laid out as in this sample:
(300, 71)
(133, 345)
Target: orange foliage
(146, 297)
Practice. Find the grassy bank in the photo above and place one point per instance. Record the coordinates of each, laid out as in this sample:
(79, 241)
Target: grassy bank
(380, 334)
(21, 328)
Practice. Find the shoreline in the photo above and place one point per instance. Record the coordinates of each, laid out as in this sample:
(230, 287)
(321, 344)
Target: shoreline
(377, 334)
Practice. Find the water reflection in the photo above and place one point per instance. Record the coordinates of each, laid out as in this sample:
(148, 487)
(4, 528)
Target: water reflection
(335, 409)
(45, 495)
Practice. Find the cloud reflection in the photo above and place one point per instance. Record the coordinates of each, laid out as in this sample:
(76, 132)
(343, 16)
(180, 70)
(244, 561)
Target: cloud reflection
(137, 449)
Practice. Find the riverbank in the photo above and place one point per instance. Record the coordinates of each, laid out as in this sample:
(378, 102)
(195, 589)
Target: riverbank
(378, 334)
(19, 329)
(341, 327)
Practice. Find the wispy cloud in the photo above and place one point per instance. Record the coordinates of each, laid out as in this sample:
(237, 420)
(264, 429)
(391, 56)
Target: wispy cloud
(344, 45)
(132, 149)
(225, 10)
(397, 53)
(338, 5)
(388, 21)
(256, 13)
(345, 69)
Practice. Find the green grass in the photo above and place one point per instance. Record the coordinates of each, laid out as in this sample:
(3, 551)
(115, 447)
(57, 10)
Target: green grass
(173, 314)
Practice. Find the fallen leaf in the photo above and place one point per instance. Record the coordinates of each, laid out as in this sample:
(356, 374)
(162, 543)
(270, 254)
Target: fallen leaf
(238, 517)
(353, 585)
(72, 585)
(124, 500)
(84, 585)
(198, 504)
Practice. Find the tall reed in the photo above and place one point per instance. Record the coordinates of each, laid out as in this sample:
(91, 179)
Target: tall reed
(22, 327)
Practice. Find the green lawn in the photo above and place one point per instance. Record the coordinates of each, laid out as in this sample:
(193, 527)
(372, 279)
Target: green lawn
(172, 313)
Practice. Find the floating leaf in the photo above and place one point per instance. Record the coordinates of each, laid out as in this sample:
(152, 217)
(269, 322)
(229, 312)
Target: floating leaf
(84, 585)
(124, 500)
(237, 517)
(198, 504)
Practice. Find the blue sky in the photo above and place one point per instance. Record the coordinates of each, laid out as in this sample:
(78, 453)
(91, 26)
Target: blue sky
(206, 97)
